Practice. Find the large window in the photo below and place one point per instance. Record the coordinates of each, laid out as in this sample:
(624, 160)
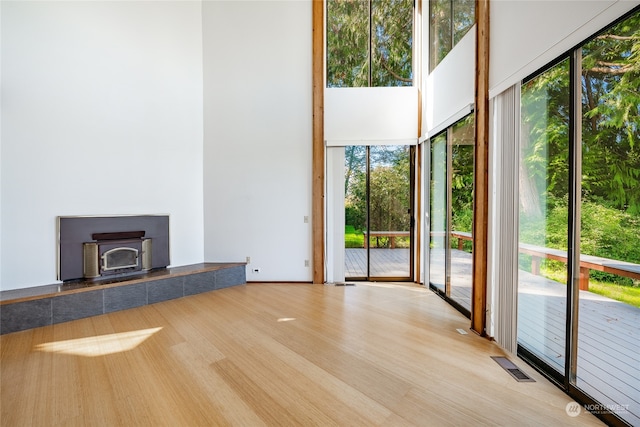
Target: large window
(451, 213)
(579, 278)
(449, 21)
(369, 43)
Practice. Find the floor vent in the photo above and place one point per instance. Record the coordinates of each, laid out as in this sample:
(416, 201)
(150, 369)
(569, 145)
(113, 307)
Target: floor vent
(345, 284)
(512, 369)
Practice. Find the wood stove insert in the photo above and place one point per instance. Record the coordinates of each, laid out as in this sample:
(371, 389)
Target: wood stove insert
(105, 247)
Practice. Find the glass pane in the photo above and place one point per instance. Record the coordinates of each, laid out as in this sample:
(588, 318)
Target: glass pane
(609, 319)
(464, 16)
(369, 43)
(440, 22)
(355, 210)
(462, 210)
(389, 211)
(392, 43)
(438, 213)
(347, 43)
(120, 258)
(544, 193)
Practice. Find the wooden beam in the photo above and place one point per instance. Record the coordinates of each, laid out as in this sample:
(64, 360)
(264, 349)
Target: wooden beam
(317, 204)
(417, 207)
(481, 170)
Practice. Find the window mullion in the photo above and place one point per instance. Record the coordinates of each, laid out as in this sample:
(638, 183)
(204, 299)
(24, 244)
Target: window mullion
(575, 190)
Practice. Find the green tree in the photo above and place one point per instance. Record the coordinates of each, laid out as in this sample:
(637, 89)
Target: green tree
(611, 120)
(449, 21)
(369, 43)
(389, 188)
(544, 162)
(355, 186)
(390, 184)
(462, 164)
(610, 162)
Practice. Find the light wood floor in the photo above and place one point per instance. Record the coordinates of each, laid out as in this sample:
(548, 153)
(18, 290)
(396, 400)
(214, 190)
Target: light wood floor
(272, 354)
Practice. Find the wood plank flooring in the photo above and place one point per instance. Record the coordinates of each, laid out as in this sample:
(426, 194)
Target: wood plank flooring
(272, 354)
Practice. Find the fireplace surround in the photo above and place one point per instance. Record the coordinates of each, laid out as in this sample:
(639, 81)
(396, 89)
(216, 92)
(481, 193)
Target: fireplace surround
(100, 247)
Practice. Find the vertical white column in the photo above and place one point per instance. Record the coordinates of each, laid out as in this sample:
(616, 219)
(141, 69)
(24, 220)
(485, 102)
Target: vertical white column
(335, 214)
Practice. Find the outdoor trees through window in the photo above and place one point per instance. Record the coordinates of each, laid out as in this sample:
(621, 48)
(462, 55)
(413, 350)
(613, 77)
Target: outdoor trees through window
(369, 43)
(390, 175)
(588, 341)
(449, 21)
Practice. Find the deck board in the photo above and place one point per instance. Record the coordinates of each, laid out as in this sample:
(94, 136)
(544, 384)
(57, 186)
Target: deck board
(384, 262)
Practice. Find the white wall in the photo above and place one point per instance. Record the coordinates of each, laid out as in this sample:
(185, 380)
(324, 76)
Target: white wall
(449, 89)
(101, 114)
(528, 34)
(371, 115)
(0, 146)
(258, 136)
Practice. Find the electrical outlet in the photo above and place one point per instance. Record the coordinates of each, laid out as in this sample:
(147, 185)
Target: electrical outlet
(306, 219)
(306, 263)
(248, 260)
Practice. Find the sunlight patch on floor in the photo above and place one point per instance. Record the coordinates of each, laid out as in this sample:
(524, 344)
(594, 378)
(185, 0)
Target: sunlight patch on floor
(101, 345)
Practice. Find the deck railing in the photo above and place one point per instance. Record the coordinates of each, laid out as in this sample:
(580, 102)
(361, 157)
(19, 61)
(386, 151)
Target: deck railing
(587, 262)
(389, 234)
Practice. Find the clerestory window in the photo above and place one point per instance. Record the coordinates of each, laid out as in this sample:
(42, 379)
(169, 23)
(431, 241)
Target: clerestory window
(449, 21)
(370, 43)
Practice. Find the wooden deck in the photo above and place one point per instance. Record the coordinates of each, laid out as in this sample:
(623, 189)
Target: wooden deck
(384, 262)
(461, 263)
(608, 340)
(609, 334)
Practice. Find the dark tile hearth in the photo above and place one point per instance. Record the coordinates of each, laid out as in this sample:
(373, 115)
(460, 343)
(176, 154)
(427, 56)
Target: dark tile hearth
(22, 309)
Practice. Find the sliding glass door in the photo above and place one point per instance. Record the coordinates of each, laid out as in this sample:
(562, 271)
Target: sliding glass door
(579, 265)
(451, 213)
(379, 212)
(461, 210)
(607, 364)
(544, 195)
(438, 222)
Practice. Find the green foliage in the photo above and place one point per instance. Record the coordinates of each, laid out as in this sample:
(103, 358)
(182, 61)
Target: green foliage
(611, 124)
(610, 162)
(462, 164)
(609, 233)
(557, 271)
(369, 43)
(449, 21)
(545, 132)
(353, 238)
(389, 188)
(605, 232)
(626, 294)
